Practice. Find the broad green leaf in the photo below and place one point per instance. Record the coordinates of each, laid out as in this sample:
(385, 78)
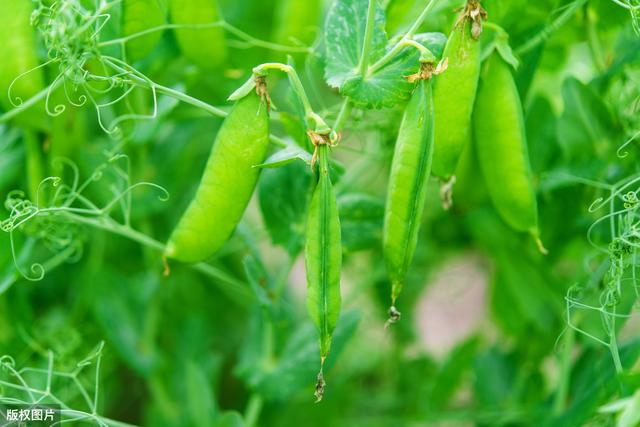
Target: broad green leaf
(283, 195)
(361, 218)
(583, 129)
(299, 361)
(388, 86)
(344, 37)
(344, 34)
(199, 396)
(285, 156)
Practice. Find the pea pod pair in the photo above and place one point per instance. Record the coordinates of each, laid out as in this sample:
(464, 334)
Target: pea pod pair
(407, 189)
(455, 92)
(501, 146)
(323, 260)
(227, 183)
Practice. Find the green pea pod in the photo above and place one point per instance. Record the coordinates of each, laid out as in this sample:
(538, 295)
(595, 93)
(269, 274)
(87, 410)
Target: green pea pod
(227, 184)
(141, 15)
(323, 259)
(455, 91)
(501, 147)
(204, 46)
(18, 72)
(407, 190)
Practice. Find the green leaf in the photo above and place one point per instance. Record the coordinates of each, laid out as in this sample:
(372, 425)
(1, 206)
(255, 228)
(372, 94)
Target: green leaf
(583, 129)
(299, 361)
(286, 156)
(200, 397)
(361, 219)
(344, 36)
(283, 196)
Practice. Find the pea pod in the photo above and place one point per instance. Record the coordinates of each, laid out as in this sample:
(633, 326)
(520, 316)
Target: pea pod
(141, 15)
(204, 46)
(455, 91)
(227, 183)
(410, 170)
(18, 53)
(501, 147)
(323, 260)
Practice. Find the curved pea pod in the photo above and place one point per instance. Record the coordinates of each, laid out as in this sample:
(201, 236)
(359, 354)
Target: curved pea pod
(18, 67)
(410, 170)
(227, 184)
(204, 46)
(501, 147)
(323, 260)
(138, 16)
(455, 91)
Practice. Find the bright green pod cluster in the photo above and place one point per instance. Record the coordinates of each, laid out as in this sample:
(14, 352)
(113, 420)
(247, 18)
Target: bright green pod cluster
(204, 44)
(138, 16)
(410, 170)
(227, 184)
(501, 147)
(455, 91)
(323, 260)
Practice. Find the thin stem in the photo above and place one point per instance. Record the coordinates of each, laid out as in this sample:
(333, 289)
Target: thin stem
(368, 36)
(546, 32)
(613, 344)
(295, 81)
(234, 288)
(343, 115)
(398, 46)
(187, 99)
(222, 24)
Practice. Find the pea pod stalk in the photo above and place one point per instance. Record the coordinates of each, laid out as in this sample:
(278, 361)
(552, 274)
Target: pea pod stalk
(407, 189)
(323, 257)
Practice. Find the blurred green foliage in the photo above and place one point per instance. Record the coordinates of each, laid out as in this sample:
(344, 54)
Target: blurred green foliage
(228, 343)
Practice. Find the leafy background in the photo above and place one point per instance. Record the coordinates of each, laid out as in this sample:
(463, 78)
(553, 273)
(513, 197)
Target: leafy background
(484, 338)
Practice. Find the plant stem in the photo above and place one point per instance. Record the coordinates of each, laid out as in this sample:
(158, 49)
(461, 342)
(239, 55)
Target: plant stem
(343, 115)
(232, 287)
(398, 46)
(368, 36)
(546, 32)
(254, 407)
(140, 82)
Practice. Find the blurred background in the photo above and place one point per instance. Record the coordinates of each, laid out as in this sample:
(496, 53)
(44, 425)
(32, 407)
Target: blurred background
(493, 333)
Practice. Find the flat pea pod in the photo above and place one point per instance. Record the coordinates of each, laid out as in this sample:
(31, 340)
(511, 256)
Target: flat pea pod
(204, 46)
(18, 53)
(138, 16)
(227, 184)
(323, 260)
(455, 92)
(407, 189)
(501, 147)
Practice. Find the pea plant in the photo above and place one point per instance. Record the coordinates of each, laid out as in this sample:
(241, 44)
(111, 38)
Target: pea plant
(181, 178)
